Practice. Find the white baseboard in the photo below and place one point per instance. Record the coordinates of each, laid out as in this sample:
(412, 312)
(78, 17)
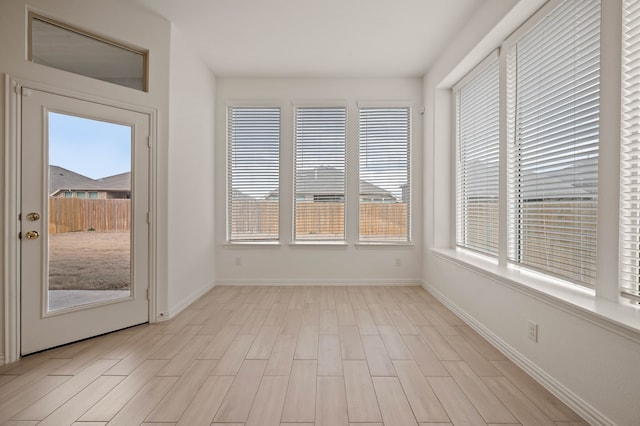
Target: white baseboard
(314, 282)
(564, 394)
(179, 307)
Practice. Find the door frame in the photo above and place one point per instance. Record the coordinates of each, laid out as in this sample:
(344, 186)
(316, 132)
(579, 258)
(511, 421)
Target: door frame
(12, 190)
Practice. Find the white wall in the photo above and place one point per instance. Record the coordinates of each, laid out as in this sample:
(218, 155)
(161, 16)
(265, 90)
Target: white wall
(286, 263)
(586, 353)
(191, 168)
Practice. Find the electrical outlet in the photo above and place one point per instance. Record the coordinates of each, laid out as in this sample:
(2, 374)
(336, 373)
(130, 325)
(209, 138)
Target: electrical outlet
(532, 331)
(238, 261)
(397, 261)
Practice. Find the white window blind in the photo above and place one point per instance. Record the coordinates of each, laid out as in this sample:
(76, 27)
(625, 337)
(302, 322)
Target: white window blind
(630, 185)
(320, 139)
(385, 190)
(477, 159)
(253, 173)
(553, 95)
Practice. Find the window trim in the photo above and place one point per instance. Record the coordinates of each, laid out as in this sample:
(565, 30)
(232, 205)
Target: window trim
(410, 169)
(31, 16)
(250, 104)
(294, 131)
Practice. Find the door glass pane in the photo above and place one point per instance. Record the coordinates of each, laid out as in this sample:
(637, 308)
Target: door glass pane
(90, 233)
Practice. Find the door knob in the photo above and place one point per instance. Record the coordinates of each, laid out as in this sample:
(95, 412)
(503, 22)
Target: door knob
(32, 235)
(33, 216)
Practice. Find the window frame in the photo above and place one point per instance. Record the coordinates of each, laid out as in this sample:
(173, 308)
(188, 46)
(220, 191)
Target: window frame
(256, 105)
(410, 158)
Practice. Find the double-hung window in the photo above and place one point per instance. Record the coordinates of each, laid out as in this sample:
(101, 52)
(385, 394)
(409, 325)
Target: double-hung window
(385, 190)
(630, 162)
(477, 157)
(553, 95)
(253, 169)
(320, 167)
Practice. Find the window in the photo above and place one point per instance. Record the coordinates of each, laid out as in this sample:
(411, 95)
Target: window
(630, 150)
(552, 137)
(320, 148)
(477, 158)
(68, 194)
(384, 174)
(61, 46)
(81, 194)
(93, 195)
(253, 155)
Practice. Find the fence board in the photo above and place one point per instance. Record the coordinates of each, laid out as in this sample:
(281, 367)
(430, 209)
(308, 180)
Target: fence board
(77, 214)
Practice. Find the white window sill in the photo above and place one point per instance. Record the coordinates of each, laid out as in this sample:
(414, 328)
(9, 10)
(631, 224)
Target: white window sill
(617, 317)
(383, 244)
(231, 244)
(319, 244)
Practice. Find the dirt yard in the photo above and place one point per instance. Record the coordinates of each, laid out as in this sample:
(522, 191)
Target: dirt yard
(89, 261)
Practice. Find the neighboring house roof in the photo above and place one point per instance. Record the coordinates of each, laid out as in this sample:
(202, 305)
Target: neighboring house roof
(330, 181)
(61, 179)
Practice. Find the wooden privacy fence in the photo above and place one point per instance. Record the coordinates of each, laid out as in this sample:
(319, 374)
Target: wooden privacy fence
(76, 214)
(318, 219)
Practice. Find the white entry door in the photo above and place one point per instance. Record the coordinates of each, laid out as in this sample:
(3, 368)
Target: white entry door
(84, 219)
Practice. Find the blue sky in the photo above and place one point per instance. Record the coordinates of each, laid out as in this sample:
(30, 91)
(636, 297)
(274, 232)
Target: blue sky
(92, 148)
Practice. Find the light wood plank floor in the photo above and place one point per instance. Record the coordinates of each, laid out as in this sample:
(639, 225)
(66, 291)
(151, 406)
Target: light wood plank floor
(283, 356)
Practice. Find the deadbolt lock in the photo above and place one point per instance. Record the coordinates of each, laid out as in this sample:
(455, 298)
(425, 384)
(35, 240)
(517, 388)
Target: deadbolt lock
(32, 235)
(33, 216)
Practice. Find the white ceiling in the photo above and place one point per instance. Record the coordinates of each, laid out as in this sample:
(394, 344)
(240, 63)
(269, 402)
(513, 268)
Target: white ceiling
(317, 38)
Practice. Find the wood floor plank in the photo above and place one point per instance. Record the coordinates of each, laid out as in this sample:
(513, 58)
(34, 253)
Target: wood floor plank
(542, 398)
(269, 401)
(377, 357)
(41, 370)
(365, 321)
(276, 315)
(328, 322)
(242, 314)
(327, 298)
(437, 322)
(254, 323)
(329, 356)
(485, 348)
(281, 357)
(414, 311)
(300, 401)
(394, 343)
(263, 343)
(119, 396)
(136, 357)
(345, 314)
(53, 400)
(220, 343)
(402, 323)
(311, 314)
(292, 321)
(527, 413)
(175, 344)
(13, 404)
(134, 412)
(458, 407)
(237, 403)
(487, 404)
(350, 342)
(428, 362)
(423, 401)
(183, 360)
(393, 403)
(472, 357)
(180, 396)
(438, 344)
(206, 402)
(307, 345)
(331, 402)
(379, 314)
(361, 397)
(70, 411)
(232, 359)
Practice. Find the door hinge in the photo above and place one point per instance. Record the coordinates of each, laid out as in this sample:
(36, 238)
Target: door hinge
(19, 216)
(148, 294)
(149, 217)
(19, 235)
(149, 141)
